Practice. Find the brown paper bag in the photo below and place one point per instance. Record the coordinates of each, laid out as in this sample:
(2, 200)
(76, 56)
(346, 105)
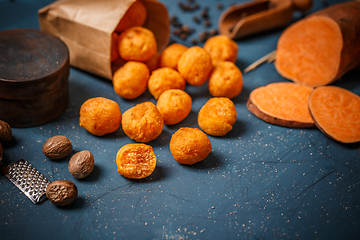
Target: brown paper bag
(86, 27)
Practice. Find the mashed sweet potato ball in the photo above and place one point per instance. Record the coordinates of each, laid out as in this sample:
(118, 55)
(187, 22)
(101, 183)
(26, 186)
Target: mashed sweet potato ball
(143, 122)
(174, 106)
(217, 116)
(195, 66)
(163, 79)
(171, 55)
(135, 16)
(221, 48)
(100, 116)
(130, 80)
(189, 145)
(137, 44)
(136, 161)
(225, 80)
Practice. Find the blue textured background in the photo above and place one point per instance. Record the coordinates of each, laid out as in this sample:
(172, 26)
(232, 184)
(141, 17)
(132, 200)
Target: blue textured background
(260, 181)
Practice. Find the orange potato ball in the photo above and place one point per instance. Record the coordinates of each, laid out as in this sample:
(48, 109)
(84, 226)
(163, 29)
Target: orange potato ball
(130, 80)
(100, 116)
(163, 79)
(174, 106)
(118, 63)
(221, 48)
(134, 16)
(142, 122)
(225, 80)
(114, 51)
(171, 55)
(136, 161)
(217, 116)
(137, 44)
(153, 62)
(195, 66)
(189, 145)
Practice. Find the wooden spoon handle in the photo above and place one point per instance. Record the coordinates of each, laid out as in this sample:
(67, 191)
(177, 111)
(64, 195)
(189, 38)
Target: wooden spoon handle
(302, 5)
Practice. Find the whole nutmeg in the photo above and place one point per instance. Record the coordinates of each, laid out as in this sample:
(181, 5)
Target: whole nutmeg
(81, 164)
(5, 131)
(57, 147)
(61, 192)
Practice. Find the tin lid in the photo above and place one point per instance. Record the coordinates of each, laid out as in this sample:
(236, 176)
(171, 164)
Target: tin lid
(34, 71)
(28, 56)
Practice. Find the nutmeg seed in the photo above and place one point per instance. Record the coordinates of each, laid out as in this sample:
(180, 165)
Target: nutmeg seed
(57, 147)
(61, 192)
(81, 164)
(5, 131)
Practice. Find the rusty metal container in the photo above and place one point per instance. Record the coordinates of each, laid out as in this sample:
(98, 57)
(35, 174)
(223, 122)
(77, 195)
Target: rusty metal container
(34, 72)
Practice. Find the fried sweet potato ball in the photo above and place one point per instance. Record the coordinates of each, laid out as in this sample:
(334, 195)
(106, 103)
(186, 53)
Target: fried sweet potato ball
(171, 55)
(134, 16)
(142, 122)
(136, 161)
(221, 48)
(195, 66)
(174, 106)
(225, 80)
(137, 44)
(153, 62)
(163, 79)
(130, 81)
(100, 116)
(217, 116)
(189, 145)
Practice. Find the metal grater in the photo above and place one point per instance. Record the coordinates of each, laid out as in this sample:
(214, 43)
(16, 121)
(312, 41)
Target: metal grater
(29, 180)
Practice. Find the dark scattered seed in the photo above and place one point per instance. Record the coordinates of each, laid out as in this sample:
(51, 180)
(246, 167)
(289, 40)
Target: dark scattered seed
(183, 36)
(174, 21)
(207, 23)
(205, 13)
(219, 6)
(325, 3)
(203, 36)
(194, 42)
(185, 28)
(196, 6)
(183, 31)
(177, 32)
(213, 32)
(192, 6)
(196, 19)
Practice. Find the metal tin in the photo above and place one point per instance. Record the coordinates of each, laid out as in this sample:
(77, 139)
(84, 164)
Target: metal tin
(34, 72)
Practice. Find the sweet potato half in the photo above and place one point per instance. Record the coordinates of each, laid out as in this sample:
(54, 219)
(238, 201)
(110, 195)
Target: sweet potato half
(283, 103)
(322, 47)
(336, 112)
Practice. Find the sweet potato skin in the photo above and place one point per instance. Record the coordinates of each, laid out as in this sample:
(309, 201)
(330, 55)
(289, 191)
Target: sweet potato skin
(278, 103)
(345, 16)
(276, 121)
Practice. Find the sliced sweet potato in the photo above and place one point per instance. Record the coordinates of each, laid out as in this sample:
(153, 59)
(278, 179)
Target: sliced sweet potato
(336, 112)
(322, 47)
(283, 103)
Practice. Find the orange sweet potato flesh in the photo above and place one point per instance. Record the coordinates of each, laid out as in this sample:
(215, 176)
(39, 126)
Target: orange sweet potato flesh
(322, 47)
(283, 103)
(336, 112)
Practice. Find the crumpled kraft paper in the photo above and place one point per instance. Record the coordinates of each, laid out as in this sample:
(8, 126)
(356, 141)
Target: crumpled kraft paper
(85, 26)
